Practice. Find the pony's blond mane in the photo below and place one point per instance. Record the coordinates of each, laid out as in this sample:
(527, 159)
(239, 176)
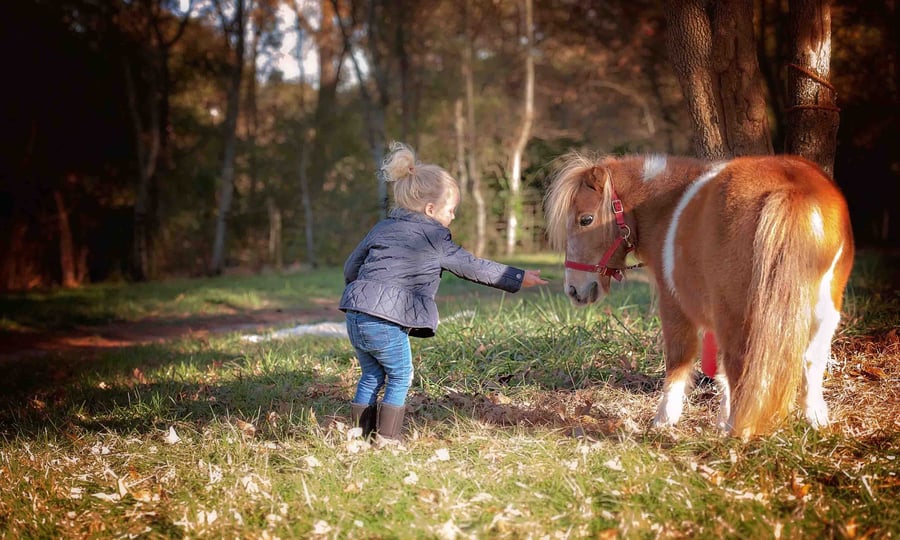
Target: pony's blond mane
(561, 194)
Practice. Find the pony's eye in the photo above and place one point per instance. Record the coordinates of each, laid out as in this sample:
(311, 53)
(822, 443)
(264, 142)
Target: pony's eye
(585, 220)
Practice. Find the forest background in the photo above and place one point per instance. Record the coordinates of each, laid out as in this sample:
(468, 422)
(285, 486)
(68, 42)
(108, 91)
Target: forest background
(147, 139)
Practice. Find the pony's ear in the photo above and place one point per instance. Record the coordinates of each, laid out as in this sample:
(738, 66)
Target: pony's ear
(596, 178)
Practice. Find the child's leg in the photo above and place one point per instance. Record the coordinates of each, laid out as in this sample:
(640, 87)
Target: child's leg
(397, 362)
(372, 378)
(370, 381)
(396, 359)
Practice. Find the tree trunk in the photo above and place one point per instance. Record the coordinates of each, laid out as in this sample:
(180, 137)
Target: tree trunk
(741, 86)
(689, 38)
(514, 204)
(459, 128)
(226, 186)
(713, 50)
(151, 141)
(147, 145)
(375, 107)
(472, 154)
(306, 199)
(276, 254)
(251, 116)
(66, 245)
(813, 113)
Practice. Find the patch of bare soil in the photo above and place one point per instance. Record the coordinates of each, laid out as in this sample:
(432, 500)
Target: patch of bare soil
(18, 345)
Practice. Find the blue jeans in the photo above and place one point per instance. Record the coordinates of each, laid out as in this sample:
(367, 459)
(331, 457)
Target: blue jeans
(382, 348)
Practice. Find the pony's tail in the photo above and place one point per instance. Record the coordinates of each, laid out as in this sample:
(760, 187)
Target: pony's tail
(778, 316)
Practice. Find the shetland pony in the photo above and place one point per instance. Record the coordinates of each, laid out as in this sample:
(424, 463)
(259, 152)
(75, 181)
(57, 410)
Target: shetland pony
(757, 250)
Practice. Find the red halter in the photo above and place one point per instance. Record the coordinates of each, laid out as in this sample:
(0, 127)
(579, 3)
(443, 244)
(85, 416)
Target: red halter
(601, 267)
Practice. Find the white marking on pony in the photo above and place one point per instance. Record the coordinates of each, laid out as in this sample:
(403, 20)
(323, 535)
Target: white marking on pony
(669, 244)
(815, 359)
(654, 165)
(671, 405)
(818, 224)
(724, 421)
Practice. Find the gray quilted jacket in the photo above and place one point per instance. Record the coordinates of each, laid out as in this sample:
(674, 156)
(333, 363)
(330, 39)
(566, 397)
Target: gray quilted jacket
(395, 271)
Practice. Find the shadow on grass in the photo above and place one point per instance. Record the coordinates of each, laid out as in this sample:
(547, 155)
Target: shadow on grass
(141, 389)
(146, 389)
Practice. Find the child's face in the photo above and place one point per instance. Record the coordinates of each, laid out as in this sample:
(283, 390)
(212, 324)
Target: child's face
(444, 211)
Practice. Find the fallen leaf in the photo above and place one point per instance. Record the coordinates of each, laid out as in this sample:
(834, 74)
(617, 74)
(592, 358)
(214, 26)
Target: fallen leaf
(121, 486)
(246, 428)
(321, 528)
(139, 376)
(172, 437)
(357, 445)
(874, 373)
(608, 534)
(448, 531)
(108, 497)
(799, 489)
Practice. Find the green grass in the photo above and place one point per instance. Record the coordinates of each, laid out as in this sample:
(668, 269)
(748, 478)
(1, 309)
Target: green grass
(176, 298)
(529, 419)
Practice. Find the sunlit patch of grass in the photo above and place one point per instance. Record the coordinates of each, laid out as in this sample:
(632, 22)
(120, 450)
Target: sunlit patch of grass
(172, 299)
(528, 418)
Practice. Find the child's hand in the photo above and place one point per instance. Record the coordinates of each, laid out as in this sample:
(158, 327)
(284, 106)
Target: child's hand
(532, 278)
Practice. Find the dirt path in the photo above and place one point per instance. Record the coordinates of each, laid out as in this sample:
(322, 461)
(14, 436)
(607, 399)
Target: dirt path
(18, 345)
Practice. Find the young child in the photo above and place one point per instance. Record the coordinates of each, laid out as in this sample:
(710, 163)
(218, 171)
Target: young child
(392, 277)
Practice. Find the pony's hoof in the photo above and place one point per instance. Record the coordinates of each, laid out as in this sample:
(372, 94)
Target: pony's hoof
(662, 421)
(817, 417)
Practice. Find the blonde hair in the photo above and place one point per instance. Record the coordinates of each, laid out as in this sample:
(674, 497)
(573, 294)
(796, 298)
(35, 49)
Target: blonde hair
(415, 184)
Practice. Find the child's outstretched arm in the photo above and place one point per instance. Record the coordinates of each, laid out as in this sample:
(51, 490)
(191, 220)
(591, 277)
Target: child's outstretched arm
(485, 271)
(533, 278)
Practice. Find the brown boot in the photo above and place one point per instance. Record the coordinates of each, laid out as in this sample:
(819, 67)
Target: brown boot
(390, 421)
(363, 416)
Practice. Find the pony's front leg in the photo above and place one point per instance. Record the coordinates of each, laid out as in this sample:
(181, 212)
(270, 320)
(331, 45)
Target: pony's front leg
(681, 345)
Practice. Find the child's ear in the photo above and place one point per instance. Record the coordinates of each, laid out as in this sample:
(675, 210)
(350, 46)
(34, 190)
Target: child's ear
(429, 209)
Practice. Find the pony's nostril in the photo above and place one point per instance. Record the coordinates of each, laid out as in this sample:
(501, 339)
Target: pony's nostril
(594, 293)
(572, 292)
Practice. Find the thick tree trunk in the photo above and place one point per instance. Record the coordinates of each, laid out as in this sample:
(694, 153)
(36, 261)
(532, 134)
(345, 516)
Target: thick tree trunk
(689, 39)
(813, 115)
(514, 204)
(713, 50)
(741, 86)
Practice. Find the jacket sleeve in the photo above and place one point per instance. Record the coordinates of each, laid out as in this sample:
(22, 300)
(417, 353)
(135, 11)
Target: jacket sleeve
(354, 261)
(486, 272)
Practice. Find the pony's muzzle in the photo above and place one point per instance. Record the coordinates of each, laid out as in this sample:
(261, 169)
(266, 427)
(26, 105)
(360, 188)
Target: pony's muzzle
(588, 296)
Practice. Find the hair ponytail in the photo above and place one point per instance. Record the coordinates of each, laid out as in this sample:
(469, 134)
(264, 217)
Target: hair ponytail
(415, 184)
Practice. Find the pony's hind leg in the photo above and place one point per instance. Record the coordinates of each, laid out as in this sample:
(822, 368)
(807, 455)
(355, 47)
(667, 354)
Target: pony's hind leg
(815, 360)
(724, 420)
(681, 344)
